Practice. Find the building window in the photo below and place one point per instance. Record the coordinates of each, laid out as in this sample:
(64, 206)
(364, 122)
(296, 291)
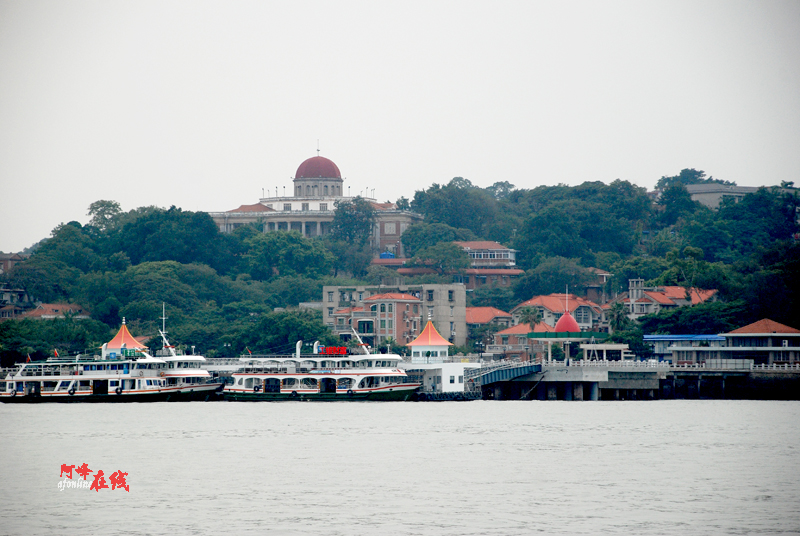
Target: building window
(466, 280)
(324, 206)
(304, 207)
(389, 228)
(430, 312)
(383, 307)
(451, 310)
(269, 205)
(390, 324)
(430, 295)
(461, 379)
(452, 379)
(326, 189)
(390, 307)
(415, 309)
(330, 311)
(360, 296)
(383, 324)
(450, 295)
(330, 296)
(287, 207)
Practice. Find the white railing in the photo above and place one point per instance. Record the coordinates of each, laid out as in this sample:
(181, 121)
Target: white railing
(607, 363)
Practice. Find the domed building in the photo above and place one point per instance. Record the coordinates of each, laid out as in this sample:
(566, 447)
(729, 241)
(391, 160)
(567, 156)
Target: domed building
(318, 186)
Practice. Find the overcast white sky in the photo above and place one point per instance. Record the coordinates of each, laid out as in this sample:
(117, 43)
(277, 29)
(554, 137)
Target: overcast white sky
(202, 104)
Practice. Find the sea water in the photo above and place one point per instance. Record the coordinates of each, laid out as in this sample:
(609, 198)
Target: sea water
(455, 468)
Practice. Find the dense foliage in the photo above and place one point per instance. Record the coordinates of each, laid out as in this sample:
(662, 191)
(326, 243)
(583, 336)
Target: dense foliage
(221, 290)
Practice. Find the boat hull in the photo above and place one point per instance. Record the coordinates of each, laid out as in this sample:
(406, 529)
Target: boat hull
(197, 394)
(386, 395)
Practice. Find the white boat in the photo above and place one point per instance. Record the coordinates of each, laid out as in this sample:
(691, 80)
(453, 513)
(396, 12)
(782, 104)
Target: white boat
(329, 374)
(126, 375)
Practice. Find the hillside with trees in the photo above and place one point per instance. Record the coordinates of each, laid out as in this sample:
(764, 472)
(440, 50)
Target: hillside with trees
(226, 292)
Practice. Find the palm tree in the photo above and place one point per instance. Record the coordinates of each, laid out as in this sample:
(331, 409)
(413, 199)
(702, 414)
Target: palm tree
(618, 317)
(530, 316)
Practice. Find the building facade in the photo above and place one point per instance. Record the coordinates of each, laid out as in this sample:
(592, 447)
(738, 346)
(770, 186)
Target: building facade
(370, 309)
(587, 314)
(317, 187)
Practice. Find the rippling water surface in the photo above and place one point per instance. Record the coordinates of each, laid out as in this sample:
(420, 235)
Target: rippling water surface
(665, 467)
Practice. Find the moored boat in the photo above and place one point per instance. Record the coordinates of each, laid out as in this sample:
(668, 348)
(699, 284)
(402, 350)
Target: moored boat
(329, 374)
(120, 374)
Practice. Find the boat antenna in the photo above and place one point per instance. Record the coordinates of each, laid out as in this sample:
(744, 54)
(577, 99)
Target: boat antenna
(163, 318)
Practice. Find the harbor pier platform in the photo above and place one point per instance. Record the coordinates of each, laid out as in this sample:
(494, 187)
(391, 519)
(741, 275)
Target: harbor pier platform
(632, 380)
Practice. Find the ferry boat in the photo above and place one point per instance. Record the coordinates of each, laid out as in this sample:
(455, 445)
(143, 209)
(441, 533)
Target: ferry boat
(126, 375)
(329, 374)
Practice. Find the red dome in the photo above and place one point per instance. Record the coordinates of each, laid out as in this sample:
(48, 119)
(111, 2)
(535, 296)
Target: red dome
(318, 167)
(567, 324)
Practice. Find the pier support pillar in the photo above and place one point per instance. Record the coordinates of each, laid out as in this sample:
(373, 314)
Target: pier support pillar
(552, 391)
(616, 394)
(594, 391)
(568, 391)
(577, 391)
(498, 393)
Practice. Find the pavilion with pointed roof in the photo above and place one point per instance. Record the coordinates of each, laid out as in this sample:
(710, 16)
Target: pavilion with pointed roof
(123, 340)
(429, 346)
(566, 332)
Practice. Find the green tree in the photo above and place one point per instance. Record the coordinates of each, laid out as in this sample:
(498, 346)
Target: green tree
(444, 258)
(552, 274)
(423, 235)
(275, 254)
(618, 317)
(353, 221)
(676, 203)
(531, 316)
(689, 176)
(498, 297)
(105, 215)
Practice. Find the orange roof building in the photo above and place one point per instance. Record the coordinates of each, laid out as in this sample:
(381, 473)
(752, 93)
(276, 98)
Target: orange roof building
(486, 315)
(429, 347)
(585, 313)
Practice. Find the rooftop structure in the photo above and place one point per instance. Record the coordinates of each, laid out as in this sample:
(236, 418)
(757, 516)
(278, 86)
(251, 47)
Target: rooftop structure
(317, 187)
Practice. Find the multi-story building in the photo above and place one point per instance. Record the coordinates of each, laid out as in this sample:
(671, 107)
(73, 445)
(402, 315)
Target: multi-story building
(378, 313)
(318, 186)
(643, 300)
(490, 264)
(587, 314)
(765, 342)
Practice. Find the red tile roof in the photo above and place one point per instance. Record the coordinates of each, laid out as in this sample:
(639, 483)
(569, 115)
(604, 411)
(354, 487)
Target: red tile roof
(258, 207)
(55, 309)
(484, 315)
(429, 337)
(392, 296)
(764, 326)
(397, 261)
(556, 302)
(659, 297)
(523, 329)
(698, 295)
